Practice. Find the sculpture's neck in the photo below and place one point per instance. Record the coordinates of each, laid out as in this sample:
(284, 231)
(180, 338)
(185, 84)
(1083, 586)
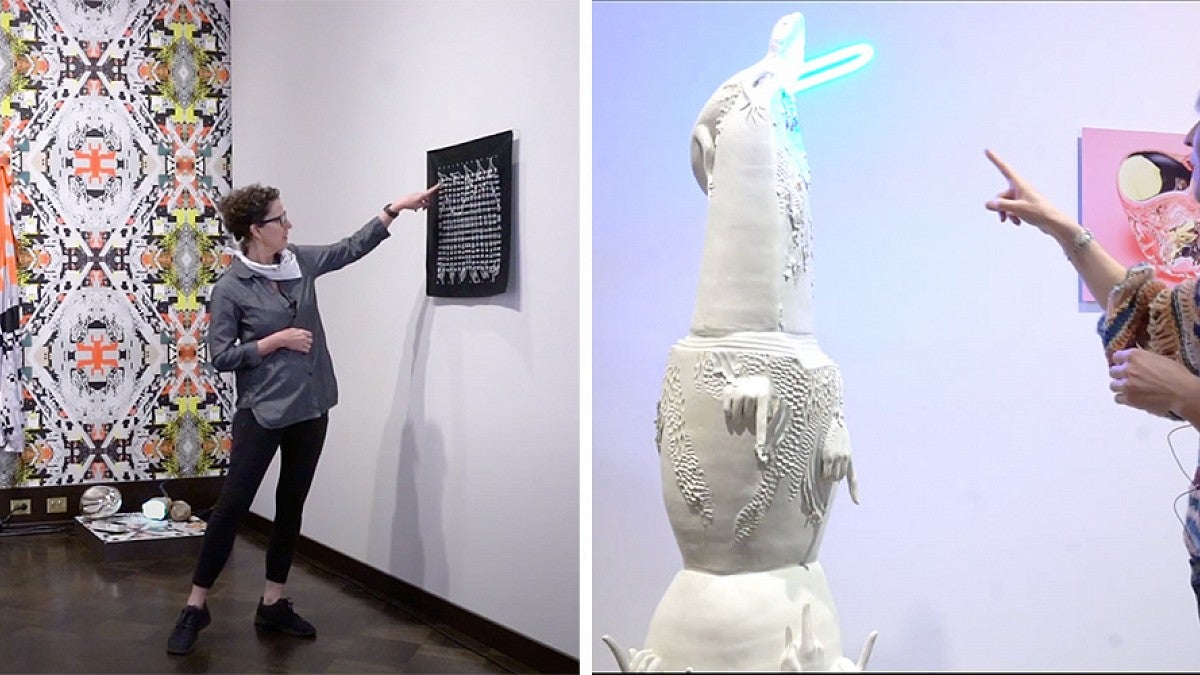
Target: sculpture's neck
(756, 270)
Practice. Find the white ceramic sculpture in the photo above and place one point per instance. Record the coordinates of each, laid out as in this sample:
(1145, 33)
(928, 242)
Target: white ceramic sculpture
(100, 501)
(751, 435)
(156, 508)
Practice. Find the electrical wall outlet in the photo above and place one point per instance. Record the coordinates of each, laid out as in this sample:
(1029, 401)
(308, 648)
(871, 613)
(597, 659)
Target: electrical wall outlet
(15, 507)
(56, 505)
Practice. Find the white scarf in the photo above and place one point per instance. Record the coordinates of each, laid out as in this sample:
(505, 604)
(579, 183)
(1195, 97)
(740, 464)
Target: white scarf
(286, 268)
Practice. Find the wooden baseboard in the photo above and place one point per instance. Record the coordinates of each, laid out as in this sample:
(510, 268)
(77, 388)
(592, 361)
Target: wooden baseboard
(537, 656)
(199, 493)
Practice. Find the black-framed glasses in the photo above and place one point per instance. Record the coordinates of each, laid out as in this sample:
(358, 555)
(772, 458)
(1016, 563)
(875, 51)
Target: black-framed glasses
(281, 219)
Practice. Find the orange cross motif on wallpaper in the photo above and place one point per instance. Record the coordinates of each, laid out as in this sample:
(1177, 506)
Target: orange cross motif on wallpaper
(96, 360)
(93, 165)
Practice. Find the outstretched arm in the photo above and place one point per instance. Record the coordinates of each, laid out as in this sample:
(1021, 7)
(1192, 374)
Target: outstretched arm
(1021, 202)
(415, 201)
(1140, 378)
(323, 259)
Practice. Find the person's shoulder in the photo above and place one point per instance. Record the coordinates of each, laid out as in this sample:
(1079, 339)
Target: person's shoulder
(230, 276)
(301, 250)
(308, 254)
(222, 286)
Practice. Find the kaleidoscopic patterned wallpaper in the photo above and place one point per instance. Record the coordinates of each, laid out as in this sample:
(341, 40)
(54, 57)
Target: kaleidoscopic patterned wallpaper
(115, 118)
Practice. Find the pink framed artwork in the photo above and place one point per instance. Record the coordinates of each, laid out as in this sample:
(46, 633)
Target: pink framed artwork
(1134, 198)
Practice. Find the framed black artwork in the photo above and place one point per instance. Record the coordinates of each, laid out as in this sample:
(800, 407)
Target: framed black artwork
(470, 223)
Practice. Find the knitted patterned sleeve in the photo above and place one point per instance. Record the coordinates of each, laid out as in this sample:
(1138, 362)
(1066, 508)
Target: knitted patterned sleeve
(1126, 319)
(1144, 312)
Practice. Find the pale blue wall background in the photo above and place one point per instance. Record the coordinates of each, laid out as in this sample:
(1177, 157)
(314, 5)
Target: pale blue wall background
(1013, 517)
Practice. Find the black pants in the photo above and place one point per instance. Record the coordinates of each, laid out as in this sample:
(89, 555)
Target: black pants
(253, 448)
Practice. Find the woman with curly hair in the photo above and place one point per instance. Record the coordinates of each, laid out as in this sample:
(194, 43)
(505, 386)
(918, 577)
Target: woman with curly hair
(265, 327)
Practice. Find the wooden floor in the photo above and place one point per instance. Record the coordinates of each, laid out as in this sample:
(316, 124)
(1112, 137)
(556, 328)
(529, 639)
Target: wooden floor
(63, 610)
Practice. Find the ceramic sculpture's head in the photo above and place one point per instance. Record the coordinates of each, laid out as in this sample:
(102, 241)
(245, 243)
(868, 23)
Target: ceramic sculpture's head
(754, 86)
(787, 37)
(748, 157)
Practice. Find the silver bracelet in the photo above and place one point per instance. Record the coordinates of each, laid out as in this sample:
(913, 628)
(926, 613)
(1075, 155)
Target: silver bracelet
(1082, 239)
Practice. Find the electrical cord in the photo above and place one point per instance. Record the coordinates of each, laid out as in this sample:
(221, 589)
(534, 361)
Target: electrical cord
(1176, 454)
(1192, 488)
(34, 529)
(4, 523)
(21, 530)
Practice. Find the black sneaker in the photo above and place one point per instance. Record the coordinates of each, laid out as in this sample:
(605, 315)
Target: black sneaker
(281, 617)
(191, 621)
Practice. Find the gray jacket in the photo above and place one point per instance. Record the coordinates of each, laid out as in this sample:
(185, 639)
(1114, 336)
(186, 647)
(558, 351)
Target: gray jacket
(285, 386)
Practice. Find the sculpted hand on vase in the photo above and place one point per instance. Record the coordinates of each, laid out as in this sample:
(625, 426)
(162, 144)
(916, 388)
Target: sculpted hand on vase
(750, 405)
(836, 462)
(644, 661)
(806, 653)
(637, 660)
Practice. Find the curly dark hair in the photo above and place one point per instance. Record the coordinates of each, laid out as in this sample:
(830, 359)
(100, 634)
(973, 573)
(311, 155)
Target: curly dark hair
(244, 207)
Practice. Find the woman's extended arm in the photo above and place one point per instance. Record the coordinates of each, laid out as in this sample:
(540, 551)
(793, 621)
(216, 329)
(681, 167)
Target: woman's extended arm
(1021, 202)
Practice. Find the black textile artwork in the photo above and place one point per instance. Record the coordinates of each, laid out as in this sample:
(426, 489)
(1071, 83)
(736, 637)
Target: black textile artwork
(470, 222)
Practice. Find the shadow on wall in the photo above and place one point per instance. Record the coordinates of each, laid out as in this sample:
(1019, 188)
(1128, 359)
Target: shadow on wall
(413, 554)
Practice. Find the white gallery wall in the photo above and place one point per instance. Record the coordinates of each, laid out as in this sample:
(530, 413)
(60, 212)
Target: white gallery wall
(452, 460)
(1013, 517)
